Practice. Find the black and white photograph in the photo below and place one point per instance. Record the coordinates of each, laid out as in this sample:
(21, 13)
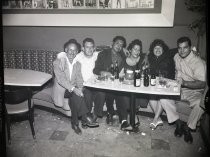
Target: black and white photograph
(91, 3)
(39, 4)
(15, 4)
(146, 3)
(78, 3)
(105, 4)
(65, 4)
(27, 4)
(132, 3)
(118, 4)
(104, 78)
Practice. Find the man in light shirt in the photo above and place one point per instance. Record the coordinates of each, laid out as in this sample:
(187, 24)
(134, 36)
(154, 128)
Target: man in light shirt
(87, 58)
(191, 74)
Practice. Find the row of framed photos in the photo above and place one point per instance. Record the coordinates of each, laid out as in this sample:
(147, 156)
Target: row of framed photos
(78, 4)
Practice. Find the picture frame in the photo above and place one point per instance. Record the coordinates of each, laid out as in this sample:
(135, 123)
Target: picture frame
(159, 13)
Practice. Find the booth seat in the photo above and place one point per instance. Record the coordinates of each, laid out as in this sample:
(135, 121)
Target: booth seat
(42, 60)
(39, 60)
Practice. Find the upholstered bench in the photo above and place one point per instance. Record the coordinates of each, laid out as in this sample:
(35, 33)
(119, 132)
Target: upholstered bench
(39, 60)
(42, 60)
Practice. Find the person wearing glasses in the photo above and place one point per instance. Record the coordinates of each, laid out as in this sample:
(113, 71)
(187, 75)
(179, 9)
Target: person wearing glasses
(68, 83)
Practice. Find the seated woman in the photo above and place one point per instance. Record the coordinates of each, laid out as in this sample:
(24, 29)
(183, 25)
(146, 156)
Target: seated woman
(134, 61)
(69, 83)
(161, 62)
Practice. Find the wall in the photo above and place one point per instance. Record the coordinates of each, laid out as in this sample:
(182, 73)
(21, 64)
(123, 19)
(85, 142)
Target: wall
(54, 37)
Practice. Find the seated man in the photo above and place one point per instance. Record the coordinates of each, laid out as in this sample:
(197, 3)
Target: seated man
(87, 58)
(103, 66)
(69, 83)
(191, 73)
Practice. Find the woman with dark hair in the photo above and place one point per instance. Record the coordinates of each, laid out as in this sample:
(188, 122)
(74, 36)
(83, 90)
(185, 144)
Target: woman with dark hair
(133, 62)
(160, 62)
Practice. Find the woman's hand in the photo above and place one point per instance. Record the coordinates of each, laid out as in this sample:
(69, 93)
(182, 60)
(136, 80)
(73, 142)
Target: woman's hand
(145, 61)
(78, 92)
(106, 73)
(126, 52)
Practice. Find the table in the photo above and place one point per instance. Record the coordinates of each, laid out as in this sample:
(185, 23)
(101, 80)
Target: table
(23, 77)
(172, 89)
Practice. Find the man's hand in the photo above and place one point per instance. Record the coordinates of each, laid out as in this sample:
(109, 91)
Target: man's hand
(194, 50)
(78, 92)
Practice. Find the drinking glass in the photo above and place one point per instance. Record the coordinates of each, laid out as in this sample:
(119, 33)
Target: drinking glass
(121, 79)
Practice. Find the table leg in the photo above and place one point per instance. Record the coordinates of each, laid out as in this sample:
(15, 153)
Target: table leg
(133, 113)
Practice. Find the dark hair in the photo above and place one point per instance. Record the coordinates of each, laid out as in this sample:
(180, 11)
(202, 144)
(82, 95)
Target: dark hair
(120, 38)
(184, 39)
(72, 41)
(135, 42)
(88, 40)
(158, 42)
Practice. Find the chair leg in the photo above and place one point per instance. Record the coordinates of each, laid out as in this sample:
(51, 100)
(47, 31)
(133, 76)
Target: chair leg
(31, 121)
(8, 129)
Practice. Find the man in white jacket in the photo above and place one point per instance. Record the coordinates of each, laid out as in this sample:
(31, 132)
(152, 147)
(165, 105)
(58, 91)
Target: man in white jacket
(87, 58)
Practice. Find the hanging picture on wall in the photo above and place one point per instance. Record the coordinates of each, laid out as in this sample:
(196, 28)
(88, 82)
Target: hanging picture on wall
(103, 13)
(96, 5)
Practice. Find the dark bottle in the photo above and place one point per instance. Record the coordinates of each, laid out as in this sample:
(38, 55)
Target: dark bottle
(116, 71)
(153, 80)
(137, 81)
(146, 78)
(112, 69)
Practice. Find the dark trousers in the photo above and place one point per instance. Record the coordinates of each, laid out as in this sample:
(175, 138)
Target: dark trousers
(97, 97)
(78, 107)
(122, 104)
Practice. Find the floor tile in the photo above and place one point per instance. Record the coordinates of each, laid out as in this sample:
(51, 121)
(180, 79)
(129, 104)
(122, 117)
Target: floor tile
(58, 135)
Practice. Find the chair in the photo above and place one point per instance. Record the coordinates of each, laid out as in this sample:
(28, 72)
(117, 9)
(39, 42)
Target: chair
(18, 103)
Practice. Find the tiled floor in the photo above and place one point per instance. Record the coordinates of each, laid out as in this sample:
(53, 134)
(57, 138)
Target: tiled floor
(55, 138)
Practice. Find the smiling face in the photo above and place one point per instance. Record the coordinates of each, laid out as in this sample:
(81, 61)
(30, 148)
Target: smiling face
(184, 49)
(117, 46)
(88, 49)
(135, 51)
(158, 50)
(71, 51)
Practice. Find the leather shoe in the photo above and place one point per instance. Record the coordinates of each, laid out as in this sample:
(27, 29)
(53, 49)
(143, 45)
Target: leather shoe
(109, 119)
(187, 135)
(179, 128)
(76, 129)
(88, 121)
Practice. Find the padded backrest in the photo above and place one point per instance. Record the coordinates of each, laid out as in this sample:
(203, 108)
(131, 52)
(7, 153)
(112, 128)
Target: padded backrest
(17, 95)
(39, 60)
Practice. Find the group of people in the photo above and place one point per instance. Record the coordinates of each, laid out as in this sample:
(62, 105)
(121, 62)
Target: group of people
(78, 64)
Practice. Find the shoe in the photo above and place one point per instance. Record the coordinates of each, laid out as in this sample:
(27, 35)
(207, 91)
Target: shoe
(95, 118)
(187, 135)
(179, 128)
(88, 121)
(76, 129)
(153, 126)
(124, 125)
(109, 119)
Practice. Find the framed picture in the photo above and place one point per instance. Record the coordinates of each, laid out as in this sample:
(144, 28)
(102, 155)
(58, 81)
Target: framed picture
(102, 13)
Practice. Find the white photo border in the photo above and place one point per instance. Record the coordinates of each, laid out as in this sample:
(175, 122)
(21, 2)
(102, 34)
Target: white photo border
(163, 19)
